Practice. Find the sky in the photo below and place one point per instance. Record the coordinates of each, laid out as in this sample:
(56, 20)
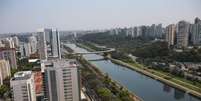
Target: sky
(30, 15)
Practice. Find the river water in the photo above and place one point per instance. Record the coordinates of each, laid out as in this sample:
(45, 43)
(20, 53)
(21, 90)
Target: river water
(143, 86)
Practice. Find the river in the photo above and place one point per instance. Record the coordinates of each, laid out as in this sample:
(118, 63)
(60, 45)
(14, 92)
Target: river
(143, 86)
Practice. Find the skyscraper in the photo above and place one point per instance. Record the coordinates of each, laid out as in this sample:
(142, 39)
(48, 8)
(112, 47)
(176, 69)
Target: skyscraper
(4, 70)
(23, 87)
(55, 44)
(42, 45)
(9, 43)
(9, 55)
(49, 43)
(182, 34)
(61, 80)
(159, 31)
(170, 34)
(25, 49)
(33, 44)
(196, 32)
(16, 41)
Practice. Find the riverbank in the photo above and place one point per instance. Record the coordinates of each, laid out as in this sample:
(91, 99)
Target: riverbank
(113, 83)
(85, 47)
(191, 89)
(162, 79)
(115, 87)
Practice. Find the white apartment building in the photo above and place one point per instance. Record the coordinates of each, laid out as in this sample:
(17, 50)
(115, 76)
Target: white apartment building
(25, 49)
(61, 80)
(4, 70)
(42, 44)
(170, 34)
(23, 87)
(182, 34)
(16, 41)
(33, 44)
(9, 43)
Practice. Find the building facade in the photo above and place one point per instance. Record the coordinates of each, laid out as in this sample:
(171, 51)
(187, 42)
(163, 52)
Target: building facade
(33, 44)
(9, 55)
(182, 34)
(4, 70)
(49, 43)
(16, 41)
(23, 87)
(8, 42)
(61, 80)
(25, 49)
(170, 34)
(196, 32)
(42, 45)
(55, 44)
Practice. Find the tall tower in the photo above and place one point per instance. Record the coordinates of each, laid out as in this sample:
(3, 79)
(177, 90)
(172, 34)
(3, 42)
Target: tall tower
(33, 44)
(196, 32)
(55, 44)
(9, 54)
(170, 34)
(49, 43)
(182, 34)
(42, 42)
(4, 70)
(61, 80)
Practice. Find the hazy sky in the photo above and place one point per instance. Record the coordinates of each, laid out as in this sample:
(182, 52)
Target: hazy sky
(29, 15)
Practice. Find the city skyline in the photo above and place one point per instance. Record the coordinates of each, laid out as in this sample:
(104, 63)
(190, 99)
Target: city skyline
(26, 16)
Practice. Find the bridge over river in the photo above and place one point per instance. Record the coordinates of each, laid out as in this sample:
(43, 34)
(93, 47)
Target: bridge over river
(96, 52)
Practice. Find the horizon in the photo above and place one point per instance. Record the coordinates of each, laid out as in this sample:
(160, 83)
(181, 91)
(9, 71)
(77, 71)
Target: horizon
(96, 29)
(26, 16)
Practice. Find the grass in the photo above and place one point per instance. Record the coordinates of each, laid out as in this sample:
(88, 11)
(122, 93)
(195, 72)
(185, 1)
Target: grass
(179, 80)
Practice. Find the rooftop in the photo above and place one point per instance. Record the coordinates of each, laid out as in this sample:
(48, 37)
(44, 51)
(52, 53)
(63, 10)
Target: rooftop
(5, 48)
(58, 63)
(22, 75)
(38, 79)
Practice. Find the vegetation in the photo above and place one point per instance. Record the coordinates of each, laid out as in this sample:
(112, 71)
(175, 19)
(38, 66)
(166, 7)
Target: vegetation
(68, 49)
(117, 54)
(92, 46)
(104, 87)
(105, 94)
(3, 90)
(178, 80)
(23, 64)
(158, 51)
(140, 47)
(121, 56)
(13, 71)
(191, 55)
(152, 50)
(149, 52)
(120, 42)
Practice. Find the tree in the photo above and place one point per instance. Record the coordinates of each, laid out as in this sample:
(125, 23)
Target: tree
(107, 80)
(13, 71)
(152, 50)
(3, 90)
(105, 94)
